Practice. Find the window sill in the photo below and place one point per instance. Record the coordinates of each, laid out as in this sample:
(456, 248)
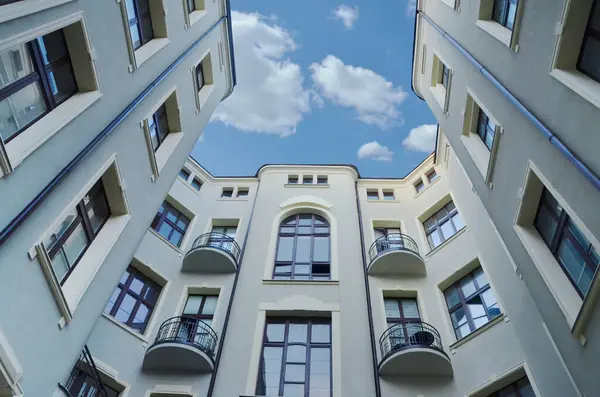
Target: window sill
(149, 49)
(581, 84)
(231, 199)
(479, 153)
(35, 136)
(439, 94)
(383, 201)
(445, 243)
(295, 185)
(450, 3)
(196, 16)
(203, 96)
(497, 31)
(167, 148)
(477, 332)
(143, 338)
(20, 9)
(300, 282)
(175, 248)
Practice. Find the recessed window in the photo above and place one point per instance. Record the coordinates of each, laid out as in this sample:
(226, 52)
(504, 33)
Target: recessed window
(68, 243)
(442, 225)
(83, 381)
(432, 176)
(573, 252)
(200, 308)
(520, 388)
(401, 310)
(471, 303)
(292, 179)
(140, 22)
(36, 78)
(307, 179)
(133, 300)
(185, 174)
(170, 223)
(296, 358)
(589, 55)
(444, 76)
(200, 81)
(191, 6)
(419, 186)
(441, 80)
(196, 183)
(505, 12)
(242, 192)
(303, 249)
(227, 192)
(322, 180)
(486, 129)
(388, 195)
(158, 126)
(372, 194)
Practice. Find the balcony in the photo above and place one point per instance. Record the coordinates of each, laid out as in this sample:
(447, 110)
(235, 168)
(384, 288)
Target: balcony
(395, 254)
(413, 348)
(212, 253)
(182, 344)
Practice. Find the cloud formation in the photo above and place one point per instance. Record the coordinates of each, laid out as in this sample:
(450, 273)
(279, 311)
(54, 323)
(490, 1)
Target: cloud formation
(421, 138)
(375, 151)
(348, 15)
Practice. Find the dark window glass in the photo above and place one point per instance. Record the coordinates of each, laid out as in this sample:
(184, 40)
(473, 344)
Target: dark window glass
(322, 180)
(292, 179)
(296, 358)
(191, 4)
(5, 2)
(402, 311)
(520, 388)
(471, 303)
(170, 223)
(200, 76)
(158, 127)
(589, 55)
(372, 194)
(307, 180)
(486, 129)
(196, 183)
(442, 225)
(35, 77)
(303, 249)
(82, 384)
(185, 174)
(242, 192)
(445, 76)
(432, 176)
(133, 300)
(419, 186)
(388, 195)
(140, 22)
(74, 235)
(227, 192)
(504, 12)
(224, 237)
(573, 252)
(201, 307)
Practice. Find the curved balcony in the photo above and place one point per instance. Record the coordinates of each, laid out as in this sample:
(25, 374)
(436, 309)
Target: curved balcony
(395, 254)
(413, 348)
(212, 253)
(182, 344)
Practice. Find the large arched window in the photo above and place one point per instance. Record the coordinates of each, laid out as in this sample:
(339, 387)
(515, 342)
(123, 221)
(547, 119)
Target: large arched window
(303, 251)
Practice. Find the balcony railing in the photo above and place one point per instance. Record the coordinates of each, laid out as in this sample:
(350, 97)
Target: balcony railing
(85, 376)
(189, 331)
(218, 241)
(392, 242)
(411, 333)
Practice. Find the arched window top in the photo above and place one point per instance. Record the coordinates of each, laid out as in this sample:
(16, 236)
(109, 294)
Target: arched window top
(303, 248)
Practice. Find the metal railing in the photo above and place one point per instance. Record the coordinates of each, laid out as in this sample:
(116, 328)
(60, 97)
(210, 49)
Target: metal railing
(85, 375)
(190, 331)
(392, 242)
(410, 333)
(219, 241)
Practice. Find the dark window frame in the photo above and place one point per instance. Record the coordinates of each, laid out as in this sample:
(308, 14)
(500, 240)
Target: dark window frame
(196, 183)
(500, 13)
(445, 75)
(514, 387)
(437, 227)
(185, 174)
(285, 344)
(200, 78)
(157, 122)
(308, 180)
(387, 193)
(137, 21)
(589, 32)
(80, 378)
(191, 4)
(293, 180)
(483, 129)
(227, 192)
(161, 217)
(371, 193)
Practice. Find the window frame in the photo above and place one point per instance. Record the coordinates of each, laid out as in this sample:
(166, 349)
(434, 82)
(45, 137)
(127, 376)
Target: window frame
(308, 180)
(136, 20)
(402, 318)
(292, 178)
(419, 186)
(514, 387)
(227, 192)
(322, 180)
(438, 225)
(594, 33)
(484, 122)
(505, 13)
(370, 194)
(431, 173)
(200, 316)
(246, 192)
(156, 126)
(191, 6)
(196, 183)
(79, 377)
(184, 174)
(161, 218)
(386, 195)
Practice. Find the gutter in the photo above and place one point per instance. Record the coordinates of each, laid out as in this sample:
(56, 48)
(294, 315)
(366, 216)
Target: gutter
(368, 293)
(14, 224)
(231, 52)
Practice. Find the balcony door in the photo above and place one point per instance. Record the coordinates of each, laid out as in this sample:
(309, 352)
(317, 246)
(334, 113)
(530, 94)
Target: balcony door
(393, 239)
(403, 315)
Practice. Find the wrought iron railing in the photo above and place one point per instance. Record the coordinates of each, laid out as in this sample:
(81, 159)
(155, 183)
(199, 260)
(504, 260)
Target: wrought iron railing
(190, 331)
(85, 376)
(410, 333)
(218, 241)
(392, 242)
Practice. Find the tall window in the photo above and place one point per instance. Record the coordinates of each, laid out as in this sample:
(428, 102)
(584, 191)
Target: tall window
(133, 300)
(170, 223)
(201, 307)
(82, 384)
(520, 388)
(76, 232)
(140, 22)
(158, 126)
(471, 303)
(444, 76)
(590, 49)
(442, 225)
(504, 12)
(303, 249)
(200, 75)
(296, 358)
(402, 311)
(393, 240)
(35, 77)
(573, 252)
(486, 129)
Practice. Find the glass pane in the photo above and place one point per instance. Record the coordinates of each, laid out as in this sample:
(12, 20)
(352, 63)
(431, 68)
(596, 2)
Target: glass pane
(176, 238)
(61, 229)
(141, 315)
(293, 390)
(297, 333)
(15, 63)
(434, 239)
(305, 219)
(489, 299)
(525, 388)
(60, 265)
(480, 278)
(467, 286)
(283, 269)
(272, 366)
(303, 249)
(20, 109)
(165, 230)
(458, 223)
(570, 259)
(392, 310)
(320, 333)
(441, 214)
(62, 81)
(302, 269)
(210, 304)
(285, 249)
(304, 229)
(458, 317)
(510, 17)
(125, 308)
(320, 371)
(463, 331)
(476, 308)
(295, 372)
(578, 235)
(124, 277)
(146, 24)
(410, 309)
(321, 230)
(192, 305)
(172, 215)
(130, 9)
(151, 294)
(183, 223)
(590, 58)
(429, 224)
(112, 300)
(135, 36)
(321, 249)
(289, 221)
(98, 213)
(586, 279)
(320, 270)
(288, 230)
(452, 296)
(296, 354)
(136, 285)
(545, 224)
(498, 13)
(275, 332)
(480, 321)
(447, 230)
(75, 244)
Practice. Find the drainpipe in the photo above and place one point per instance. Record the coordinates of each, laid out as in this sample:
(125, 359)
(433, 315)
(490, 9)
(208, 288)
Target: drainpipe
(368, 292)
(213, 378)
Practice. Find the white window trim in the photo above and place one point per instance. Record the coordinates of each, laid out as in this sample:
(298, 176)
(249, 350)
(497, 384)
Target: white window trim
(10, 367)
(202, 95)
(195, 15)
(440, 93)
(450, 3)
(13, 153)
(506, 36)
(204, 289)
(497, 382)
(20, 9)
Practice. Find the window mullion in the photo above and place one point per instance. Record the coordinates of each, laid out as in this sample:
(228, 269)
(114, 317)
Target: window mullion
(41, 69)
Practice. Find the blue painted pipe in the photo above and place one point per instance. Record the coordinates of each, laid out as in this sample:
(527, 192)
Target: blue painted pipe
(548, 134)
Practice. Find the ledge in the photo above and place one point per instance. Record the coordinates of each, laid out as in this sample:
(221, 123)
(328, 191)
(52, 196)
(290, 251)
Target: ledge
(178, 250)
(383, 201)
(300, 282)
(17, 10)
(131, 331)
(306, 185)
(579, 83)
(231, 199)
(477, 332)
(195, 16)
(445, 243)
(149, 49)
(497, 31)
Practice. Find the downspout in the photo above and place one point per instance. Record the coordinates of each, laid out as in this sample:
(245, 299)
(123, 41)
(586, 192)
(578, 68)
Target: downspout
(14, 224)
(368, 292)
(213, 378)
(541, 127)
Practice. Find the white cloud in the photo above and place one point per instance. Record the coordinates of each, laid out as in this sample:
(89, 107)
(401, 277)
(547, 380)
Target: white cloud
(373, 150)
(411, 7)
(421, 139)
(348, 15)
(373, 97)
(270, 96)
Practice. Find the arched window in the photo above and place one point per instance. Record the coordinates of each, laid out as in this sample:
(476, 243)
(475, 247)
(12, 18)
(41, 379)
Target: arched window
(303, 251)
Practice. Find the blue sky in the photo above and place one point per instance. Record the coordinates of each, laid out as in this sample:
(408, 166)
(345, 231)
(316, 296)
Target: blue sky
(320, 81)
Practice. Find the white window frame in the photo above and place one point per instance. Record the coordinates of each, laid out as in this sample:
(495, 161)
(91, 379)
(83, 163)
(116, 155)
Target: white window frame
(193, 16)
(440, 93)
(203, 94)
(10, 367)
(501, 33)
(499, 381)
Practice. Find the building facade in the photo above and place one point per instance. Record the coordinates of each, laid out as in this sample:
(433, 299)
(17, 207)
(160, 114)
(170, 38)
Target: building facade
(100, 105)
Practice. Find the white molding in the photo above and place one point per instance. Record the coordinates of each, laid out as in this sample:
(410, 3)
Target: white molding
(21, 9)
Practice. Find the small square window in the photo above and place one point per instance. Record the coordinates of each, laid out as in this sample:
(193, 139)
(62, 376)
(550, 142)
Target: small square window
(432, 176)
(185, 174)
(388, 195)
(419, 186)
(372, 194)
(307, 180)
(227, 192)
(322, 180)
(292, 179)
(196, 183)
(242, 192)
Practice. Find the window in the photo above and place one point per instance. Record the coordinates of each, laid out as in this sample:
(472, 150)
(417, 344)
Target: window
(242, 192)
(441, 80)
(227, 192)
(158, 126)
(223, 237)
(170, 224)
(443, 225)
(307, 179)
(444, 76)
(82, 384)
(185, 174)
(296, 358)
(573, 252)
(201, 307)
(520, 388)
(4, 2)
(486, 129)
(68, 243)
(303, 249)
(590, 49)
(133, 300)
(399, 310)
(372, 194)
(419, 186)
(191, 6)
(200, 80)
(140, 22)
(292, 179)
(196, 183)
(505, 12)
(388, 195)
(35, 78)
(432, 176)
(322, 180)
(471, 303)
